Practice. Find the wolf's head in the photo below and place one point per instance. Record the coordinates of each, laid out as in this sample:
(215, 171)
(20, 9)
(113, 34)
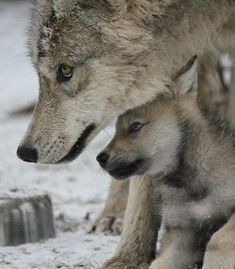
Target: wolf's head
(148, 138)
(92, 59)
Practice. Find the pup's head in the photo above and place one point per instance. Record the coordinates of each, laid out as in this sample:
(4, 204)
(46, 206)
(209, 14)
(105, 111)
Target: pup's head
(89, 57)
(148, 138)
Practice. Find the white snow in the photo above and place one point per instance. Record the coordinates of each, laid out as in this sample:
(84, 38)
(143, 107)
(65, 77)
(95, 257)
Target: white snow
(76, 189)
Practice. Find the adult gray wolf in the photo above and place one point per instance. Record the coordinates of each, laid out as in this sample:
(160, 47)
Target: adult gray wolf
(190, 155)
(94, 58)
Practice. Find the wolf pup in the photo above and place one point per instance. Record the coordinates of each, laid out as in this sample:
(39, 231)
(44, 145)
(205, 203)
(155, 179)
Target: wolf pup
(215, 77)
(191, 158)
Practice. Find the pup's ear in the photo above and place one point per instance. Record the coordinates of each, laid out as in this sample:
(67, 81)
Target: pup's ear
(186, 80)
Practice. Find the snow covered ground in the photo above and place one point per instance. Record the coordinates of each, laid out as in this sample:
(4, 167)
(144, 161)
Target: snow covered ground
(76, 189)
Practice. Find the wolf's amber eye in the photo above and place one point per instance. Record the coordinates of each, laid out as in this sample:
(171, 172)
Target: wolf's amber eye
(65, 73)
(135, 127)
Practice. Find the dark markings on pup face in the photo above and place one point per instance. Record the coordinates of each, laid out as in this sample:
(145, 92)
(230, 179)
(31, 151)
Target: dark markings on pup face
(184, 174)
(180, 176)
(79, 146)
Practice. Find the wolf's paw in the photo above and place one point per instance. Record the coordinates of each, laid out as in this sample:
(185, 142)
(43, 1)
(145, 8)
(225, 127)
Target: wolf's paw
(111, 218)
(108, 224)
(117, 263)
(114, 263)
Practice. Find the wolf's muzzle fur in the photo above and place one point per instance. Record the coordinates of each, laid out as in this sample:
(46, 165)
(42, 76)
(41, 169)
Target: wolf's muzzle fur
(79, 145)
(30, 154)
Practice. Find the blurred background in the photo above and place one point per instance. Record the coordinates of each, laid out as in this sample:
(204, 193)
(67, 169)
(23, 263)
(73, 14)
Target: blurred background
(78, 190)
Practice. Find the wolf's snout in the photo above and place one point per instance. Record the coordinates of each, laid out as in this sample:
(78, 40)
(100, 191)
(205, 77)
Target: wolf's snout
(27, 154)
(102, 159)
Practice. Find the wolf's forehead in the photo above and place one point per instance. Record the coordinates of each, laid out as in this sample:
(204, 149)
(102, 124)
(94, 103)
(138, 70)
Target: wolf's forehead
(61, 37)
(68, 41)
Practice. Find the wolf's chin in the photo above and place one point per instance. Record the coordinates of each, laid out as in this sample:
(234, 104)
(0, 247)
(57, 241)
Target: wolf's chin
(79, 146)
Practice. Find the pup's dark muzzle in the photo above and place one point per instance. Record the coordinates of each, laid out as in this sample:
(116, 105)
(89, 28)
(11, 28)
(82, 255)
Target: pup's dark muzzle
(125, 170)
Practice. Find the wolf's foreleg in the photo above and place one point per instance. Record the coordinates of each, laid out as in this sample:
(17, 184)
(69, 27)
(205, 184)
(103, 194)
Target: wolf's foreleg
(141, 223)
(111, 218)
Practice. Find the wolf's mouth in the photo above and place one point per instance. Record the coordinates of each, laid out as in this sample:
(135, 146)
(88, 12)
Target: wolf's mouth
(123, 171)
(79, 146)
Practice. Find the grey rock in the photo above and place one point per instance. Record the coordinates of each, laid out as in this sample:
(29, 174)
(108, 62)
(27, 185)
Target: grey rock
(26, 216)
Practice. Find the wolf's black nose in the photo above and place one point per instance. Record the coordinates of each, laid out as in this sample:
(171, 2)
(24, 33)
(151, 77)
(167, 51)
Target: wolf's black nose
(102, 158)
(27, 154)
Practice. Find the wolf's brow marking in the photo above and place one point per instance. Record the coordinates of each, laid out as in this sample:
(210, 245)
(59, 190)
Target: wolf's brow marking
(51, 20)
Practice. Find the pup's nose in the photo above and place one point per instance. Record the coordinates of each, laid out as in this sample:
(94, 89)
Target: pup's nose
(102, 158)
(27, 154)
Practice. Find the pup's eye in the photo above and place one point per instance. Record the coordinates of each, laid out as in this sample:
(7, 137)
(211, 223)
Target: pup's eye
(135, 127)
(65, 73)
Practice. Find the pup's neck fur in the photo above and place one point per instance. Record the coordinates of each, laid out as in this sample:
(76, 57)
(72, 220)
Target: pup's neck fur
(206, 151)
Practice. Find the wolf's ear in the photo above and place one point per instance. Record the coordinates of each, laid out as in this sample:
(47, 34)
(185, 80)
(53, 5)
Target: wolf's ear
(186, 80)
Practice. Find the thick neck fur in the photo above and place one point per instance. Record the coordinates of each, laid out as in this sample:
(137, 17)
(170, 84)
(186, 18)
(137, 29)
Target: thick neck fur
(184, 28)
(206, 153)
(166, 34)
